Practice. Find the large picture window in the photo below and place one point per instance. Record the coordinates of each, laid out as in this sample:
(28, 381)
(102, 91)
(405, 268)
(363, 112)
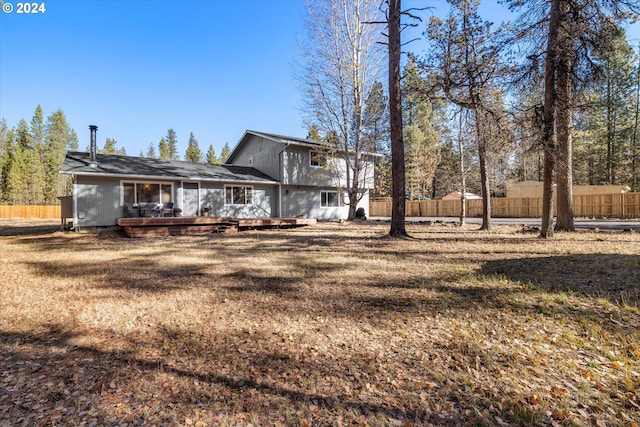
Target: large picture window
(238, 195)
(146, 192)
(329, 199)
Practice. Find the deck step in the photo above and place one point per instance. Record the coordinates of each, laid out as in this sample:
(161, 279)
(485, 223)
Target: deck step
(197, 226)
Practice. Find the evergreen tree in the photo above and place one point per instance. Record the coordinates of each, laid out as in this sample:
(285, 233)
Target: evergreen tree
(31, 157)
(6, 154)
(193, 153)
(375, 125)
(172, 143)
(211, 156)
(527, 126)
(37, 131)
(375, 121)
(73, 143)
(394, 26)
(110, 147)
(420, 134)
(163, 150)
(224, 154)
(448, 173)
(635, 131)
(466, 65)
(612, 118)
(568, 34)
(314, 133)
(22, 188)
(151, 151)
(58, 136)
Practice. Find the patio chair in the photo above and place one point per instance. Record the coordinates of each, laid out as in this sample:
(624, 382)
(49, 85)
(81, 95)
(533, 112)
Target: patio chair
(167, 209)
(131, 211)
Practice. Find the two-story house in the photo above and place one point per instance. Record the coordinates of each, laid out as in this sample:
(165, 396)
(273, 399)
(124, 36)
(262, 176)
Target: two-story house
(265, 176)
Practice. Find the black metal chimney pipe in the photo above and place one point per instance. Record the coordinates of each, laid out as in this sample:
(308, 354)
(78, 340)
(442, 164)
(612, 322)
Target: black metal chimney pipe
(93, 148)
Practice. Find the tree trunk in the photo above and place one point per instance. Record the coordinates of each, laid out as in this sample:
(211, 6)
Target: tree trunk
(353, 205)
(565, 162)
(549, 136)
(484, 176)
(634, 139)
(463, 180)
(547, 194)
(484, 182)
(395, 112)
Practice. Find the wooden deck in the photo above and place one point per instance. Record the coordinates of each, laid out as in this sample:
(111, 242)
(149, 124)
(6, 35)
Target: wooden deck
(200, 225)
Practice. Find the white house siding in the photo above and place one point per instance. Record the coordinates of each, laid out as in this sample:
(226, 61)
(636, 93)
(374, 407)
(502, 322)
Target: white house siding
(97, 201)
(306, 202)
(264, 205)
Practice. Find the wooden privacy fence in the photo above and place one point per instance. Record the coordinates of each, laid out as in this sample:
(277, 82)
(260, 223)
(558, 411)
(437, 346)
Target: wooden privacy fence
(620, 205)
(36, 211)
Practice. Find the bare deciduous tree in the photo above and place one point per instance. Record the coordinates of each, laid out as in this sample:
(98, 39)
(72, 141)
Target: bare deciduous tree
(343, 60)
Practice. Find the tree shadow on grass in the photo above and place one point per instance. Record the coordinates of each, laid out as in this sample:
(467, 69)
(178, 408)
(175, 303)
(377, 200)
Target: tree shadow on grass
(31, 230)
(609, 276)
(137, 274)
(53, 377)
(79, 376)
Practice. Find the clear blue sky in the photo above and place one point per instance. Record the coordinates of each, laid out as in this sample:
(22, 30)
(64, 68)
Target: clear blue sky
(136, 68)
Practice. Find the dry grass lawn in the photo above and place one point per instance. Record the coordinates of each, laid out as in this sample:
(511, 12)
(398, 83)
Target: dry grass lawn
(333, 324)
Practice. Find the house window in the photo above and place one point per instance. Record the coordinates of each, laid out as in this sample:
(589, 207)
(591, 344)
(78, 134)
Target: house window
(238, 195)
(146, 192)
(317, 158)
(129, 191)
(329, 199)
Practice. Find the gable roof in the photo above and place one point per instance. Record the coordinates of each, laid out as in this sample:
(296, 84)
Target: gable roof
(287, 140)
(282, 139)
(78, 163)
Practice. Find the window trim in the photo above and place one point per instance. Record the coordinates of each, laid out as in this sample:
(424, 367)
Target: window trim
(320, 156)
(135, 190)
(247, 188)
(324, 199)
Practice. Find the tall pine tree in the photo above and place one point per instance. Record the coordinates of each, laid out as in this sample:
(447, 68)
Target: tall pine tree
(224, 154)
(420, 134)
(58, 136)
(172, 144)
(211, 157)
(163, 150)
(21, 188)
(6, 154)
(193, 154)
(111, 147)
